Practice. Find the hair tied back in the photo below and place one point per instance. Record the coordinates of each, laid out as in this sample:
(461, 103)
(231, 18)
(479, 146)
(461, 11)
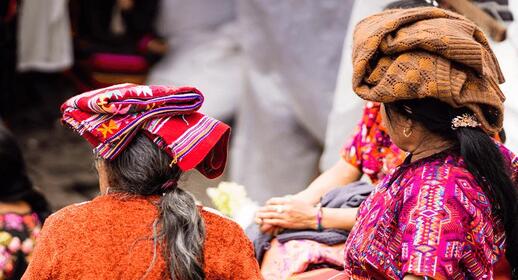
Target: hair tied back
(169, 184)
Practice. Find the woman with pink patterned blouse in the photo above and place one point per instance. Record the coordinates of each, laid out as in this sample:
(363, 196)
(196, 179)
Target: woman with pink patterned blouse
(449, 211)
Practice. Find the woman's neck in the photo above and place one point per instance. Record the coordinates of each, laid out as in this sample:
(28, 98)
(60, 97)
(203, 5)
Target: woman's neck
(429, 147)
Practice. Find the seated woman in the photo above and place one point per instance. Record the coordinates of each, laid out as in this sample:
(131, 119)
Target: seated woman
(143, 226)
(449, 211)
(369, 151)
(22, 210)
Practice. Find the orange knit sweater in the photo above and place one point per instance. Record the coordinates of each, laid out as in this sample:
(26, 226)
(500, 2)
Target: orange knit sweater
(110, 238)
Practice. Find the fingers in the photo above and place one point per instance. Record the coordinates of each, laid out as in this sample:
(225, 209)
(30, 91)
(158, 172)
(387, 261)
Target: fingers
(269, 215)
(274, 208)
(270, 212)
(267, 228)
(276, 222)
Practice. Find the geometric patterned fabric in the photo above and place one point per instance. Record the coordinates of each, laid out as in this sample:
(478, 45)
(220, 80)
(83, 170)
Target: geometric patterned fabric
(109, 118)
(428, 218)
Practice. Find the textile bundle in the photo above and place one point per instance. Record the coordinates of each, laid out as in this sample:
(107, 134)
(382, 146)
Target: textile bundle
(428, 52)
(110, 117)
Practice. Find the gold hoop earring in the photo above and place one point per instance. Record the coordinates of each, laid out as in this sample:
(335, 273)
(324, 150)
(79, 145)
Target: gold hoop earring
(407, 134)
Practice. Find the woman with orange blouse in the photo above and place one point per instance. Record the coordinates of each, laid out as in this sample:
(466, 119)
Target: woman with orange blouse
(143, 226)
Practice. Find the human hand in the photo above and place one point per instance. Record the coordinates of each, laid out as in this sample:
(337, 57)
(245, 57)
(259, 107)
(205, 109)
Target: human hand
(264, 227)
(270, 229)
(287, 212)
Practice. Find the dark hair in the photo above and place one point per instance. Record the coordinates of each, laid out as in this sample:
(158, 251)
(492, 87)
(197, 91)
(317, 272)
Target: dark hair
(481, 154)
(502, 135)
(16, 185)
(143, 169)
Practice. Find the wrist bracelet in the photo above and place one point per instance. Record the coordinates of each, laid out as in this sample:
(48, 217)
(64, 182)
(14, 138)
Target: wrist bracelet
(319, 217)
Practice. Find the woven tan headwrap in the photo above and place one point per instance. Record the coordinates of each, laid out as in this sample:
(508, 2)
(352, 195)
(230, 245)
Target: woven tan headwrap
(428, 52)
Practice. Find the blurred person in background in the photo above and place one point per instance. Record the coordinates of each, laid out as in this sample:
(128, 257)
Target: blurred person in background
(205, 51)
(115, 41)
(142, 225)
(292, 51)
(44, 52)
(44, 36)
(22, 210)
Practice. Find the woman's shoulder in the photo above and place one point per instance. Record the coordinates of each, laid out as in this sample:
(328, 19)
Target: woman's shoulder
(67, 214)
(222, 228)
(445, 174)
(510, 157)
(104, 208)
(226, 240)
(440, 167)
(217, 221)
(444, 177)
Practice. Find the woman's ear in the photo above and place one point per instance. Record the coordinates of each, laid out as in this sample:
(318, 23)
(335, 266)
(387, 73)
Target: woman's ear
(408, 123)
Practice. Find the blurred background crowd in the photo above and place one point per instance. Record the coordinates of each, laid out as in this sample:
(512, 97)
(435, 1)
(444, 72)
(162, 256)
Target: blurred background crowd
(278, 71)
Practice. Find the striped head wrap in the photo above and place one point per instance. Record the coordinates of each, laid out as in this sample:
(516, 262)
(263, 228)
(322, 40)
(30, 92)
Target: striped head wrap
(109, 118)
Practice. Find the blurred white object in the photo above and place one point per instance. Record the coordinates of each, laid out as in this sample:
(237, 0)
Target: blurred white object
(204, 52)
(347, 106)
(507, 54)
(292, 52)
(44, 37)
(231, 200)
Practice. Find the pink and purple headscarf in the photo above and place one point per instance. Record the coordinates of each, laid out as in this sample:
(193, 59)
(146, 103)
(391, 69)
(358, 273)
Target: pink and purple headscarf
(110, 117)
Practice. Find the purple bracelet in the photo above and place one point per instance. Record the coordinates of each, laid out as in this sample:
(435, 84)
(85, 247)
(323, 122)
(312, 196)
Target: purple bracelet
(319, 217)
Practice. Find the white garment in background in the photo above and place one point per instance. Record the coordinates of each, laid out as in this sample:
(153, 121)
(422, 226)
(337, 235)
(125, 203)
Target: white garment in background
(507, 54)
(44, 37)
(204, 52)
(292, 51)
(347, 106)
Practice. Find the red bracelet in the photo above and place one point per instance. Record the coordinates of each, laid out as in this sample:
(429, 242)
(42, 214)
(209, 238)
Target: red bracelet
(319, 217)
